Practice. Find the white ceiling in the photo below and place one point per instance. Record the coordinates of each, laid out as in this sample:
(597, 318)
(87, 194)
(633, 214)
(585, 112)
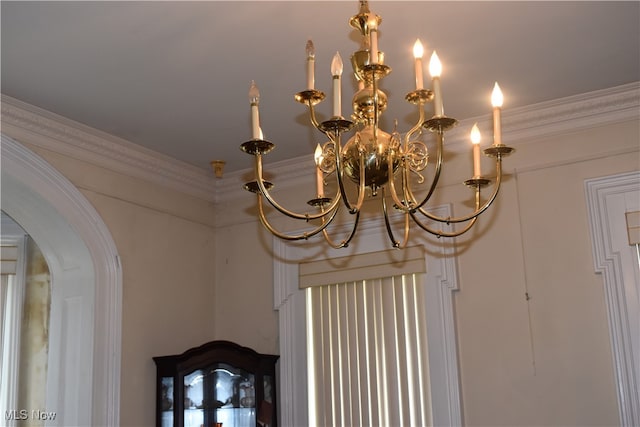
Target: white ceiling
(174, 76)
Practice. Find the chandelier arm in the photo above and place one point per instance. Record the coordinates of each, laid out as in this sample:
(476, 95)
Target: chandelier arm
(406, 193)
(272, 202)
(303, 236)
(312, 116)
(344, 243)
(416, 127)
(441, 233)
(436, 176)
(361, 187)
(407, 204)
(410, 201)
(408, 196)
(406, 188)
(339, 175)
(387, 223)
(478, 210)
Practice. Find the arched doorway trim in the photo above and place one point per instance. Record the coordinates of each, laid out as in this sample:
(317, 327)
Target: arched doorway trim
(50, 208)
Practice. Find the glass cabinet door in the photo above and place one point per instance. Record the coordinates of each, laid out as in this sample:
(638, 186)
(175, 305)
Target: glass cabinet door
(167, 402)
(232, 392)
(194, 403)
(265, 410)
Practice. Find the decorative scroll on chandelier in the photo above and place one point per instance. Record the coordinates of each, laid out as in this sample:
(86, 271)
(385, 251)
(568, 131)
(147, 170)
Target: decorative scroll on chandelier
(376, 161)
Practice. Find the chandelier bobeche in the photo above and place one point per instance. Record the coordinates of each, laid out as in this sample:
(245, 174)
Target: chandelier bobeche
(376, 161)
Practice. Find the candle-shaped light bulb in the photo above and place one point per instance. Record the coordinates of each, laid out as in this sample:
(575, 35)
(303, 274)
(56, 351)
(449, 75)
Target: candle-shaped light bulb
(475, 134)
(418, 51)
(435, 69)
(319, 177)
(317, 155)
(254, 100)
(311, 55)
(496, 100)
(435, 66)
(496, 96)
(310, 49)
(336, 65)
(475, 140)
(254, 93)
(336, 72)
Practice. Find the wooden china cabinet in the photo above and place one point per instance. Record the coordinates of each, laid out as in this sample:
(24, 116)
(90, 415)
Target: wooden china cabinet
(219, 384)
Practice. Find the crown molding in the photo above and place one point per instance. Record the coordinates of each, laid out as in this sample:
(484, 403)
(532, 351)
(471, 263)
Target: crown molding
(574, 113)
(520, 125)
(27, 123)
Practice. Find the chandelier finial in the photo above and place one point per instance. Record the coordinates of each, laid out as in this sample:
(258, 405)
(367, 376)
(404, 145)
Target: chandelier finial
(365, 20)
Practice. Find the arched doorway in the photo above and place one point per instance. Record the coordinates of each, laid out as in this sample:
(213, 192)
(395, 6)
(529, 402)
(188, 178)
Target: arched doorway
(83, 384)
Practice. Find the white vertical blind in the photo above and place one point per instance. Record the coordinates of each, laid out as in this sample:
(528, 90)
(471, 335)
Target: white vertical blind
(4, 296)
(13, 257)
(367, 353)
(8, 259)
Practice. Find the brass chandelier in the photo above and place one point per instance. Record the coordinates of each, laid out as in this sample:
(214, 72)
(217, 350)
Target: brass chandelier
(375, 160)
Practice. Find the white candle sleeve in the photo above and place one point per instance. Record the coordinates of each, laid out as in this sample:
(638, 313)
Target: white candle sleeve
(497, 132)
(255, 121)
(437, 98)
(476, 161)
(336, 72)
(337, 97)
(310, 73)
(419, 80)
(373, 35)
(319, 182)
